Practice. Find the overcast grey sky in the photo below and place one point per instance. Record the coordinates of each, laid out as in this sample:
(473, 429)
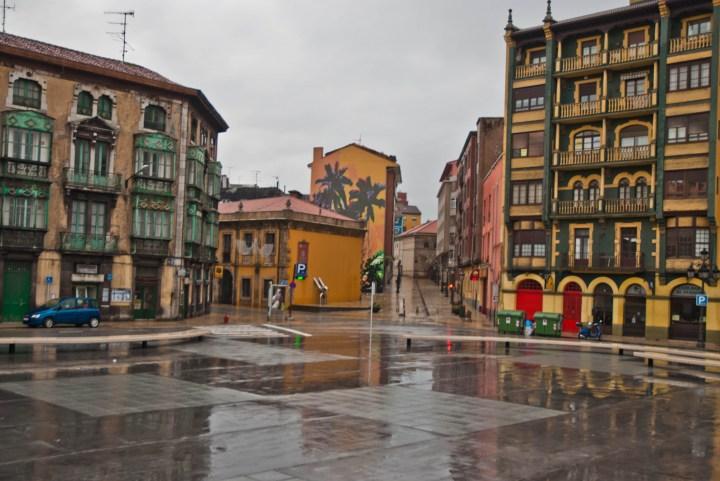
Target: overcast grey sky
(409, 76)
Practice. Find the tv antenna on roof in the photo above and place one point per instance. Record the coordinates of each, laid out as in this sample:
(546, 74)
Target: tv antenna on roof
(122, 35)
(257, 175)
(5, 8)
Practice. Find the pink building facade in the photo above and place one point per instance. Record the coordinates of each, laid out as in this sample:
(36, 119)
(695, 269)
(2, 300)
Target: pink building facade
(492, 233)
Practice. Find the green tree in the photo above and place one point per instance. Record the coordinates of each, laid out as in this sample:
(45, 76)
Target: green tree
(334, 183)
(364, 199)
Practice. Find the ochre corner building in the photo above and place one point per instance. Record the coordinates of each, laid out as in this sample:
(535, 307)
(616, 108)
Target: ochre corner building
(109, 183)
(263, 239)
(611, 178)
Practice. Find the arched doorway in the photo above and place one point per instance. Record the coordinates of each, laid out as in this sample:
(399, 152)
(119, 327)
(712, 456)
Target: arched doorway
(684, 314)
(226, 288)
(529, 298)
(603, 307)
(634, 311)
(572, 307)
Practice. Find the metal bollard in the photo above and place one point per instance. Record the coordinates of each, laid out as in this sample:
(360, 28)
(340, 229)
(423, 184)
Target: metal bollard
(408, 343)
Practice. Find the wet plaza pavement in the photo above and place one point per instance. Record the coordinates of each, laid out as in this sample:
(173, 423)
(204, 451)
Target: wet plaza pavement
(334, 407)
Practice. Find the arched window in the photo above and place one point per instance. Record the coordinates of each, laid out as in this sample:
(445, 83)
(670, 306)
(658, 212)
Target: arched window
(641, 188)
(27, 93)
(624, 189)
(587, 140)
(634, 136)
(154, 118)
(84, 103)
(594, 190)
(105, 107)
(578, 192)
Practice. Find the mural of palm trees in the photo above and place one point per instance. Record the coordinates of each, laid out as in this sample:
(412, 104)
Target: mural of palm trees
(364, 199)
(334, 184)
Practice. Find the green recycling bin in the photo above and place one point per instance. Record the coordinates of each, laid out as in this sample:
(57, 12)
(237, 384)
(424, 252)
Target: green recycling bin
(510, 322)
(548, 324)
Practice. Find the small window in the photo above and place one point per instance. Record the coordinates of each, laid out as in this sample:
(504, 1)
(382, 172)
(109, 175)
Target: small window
(692, 75)
(624, 189)
(578, 192)
(529, 98)
(529, 243)
(588, 92)
(636, 39)
(246, 288)
(528, 144)
(193, 129)
(84, 103)
(635, 87)
(641, 189)
(634, 136)
(594, 190)
(26, 93)
(587, 140)
(154, 118)
(248, 240)
(105, 107)
(537, 57)
(686, 183)
(688, 128)
(589, 48)
(698, 27)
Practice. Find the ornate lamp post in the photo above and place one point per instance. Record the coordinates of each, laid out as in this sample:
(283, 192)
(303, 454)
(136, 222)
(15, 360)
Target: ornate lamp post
(707, 274)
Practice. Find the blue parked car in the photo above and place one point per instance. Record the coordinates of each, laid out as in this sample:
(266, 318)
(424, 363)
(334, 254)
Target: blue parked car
(66, 310)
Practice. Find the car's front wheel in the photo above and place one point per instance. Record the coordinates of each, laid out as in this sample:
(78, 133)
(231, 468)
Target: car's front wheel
(94, 322)
(48, 323)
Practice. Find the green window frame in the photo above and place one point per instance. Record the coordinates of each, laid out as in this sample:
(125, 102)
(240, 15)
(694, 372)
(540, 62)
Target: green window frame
(82, 156)
(151, 224)
(155, 163)
(105, 107)
(193, 228)
(102, 159)
(155, 117)
(84, 103)
(24, 144)
(78, 217)
(24, 212)
(27, 93)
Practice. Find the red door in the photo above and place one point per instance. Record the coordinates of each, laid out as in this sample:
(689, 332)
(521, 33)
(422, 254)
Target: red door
(572, 307)
(529, 298)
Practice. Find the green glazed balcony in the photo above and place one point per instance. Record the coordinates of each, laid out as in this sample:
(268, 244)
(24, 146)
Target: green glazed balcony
(71, 241)
(87, 180)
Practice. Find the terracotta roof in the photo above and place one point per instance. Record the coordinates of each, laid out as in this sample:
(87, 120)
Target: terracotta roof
(279, 204)
(391, 158)
(429, 227)
(69, 58)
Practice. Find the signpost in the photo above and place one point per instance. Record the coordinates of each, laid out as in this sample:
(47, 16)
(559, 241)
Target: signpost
(701, 300)
(372, 305)
(300, 271)
(48, 281)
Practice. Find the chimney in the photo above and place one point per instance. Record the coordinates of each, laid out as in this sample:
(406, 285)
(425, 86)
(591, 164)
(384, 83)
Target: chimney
(318, 153)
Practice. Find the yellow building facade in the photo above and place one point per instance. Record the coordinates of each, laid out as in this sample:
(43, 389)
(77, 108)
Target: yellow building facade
(611, 179)
(263, 240)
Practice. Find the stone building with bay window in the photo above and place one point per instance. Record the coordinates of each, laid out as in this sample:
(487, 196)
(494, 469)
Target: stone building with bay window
(109, 184)
(611, 180)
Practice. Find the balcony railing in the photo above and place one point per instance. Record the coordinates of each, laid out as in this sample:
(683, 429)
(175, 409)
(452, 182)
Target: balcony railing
(71, 241)
(576, 207)
(152, 186)
(199, 252)
(572, 64)
(629, 206)
(21, 239)
(684, 44)
(603, 263)
(626, 154)
(529, 71)
(640, 205)
(92, 180)
(632, 54)
(24, 170)
(637, 102)
(150, 247)
(580, 109)
(578, 157)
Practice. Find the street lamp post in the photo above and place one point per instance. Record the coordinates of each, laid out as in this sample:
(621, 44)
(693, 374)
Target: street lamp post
(707, 274)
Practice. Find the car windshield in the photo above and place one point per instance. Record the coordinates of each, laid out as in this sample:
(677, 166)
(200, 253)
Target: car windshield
(50, 303)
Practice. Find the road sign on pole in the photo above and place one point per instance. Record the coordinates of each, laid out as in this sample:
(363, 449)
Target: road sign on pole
(701, 300)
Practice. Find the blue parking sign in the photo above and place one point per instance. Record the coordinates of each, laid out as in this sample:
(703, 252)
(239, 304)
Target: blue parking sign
(48, 280)
(701, 300)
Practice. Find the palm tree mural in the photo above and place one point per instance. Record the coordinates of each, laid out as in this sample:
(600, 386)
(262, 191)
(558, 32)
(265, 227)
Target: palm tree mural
(334, 184)
(364, 199)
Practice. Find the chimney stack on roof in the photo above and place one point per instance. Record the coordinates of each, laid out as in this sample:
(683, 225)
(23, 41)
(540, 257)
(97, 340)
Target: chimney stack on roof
(318, 153)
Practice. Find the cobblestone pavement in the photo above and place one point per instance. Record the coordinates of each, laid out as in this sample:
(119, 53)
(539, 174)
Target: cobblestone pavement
(336, 406)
